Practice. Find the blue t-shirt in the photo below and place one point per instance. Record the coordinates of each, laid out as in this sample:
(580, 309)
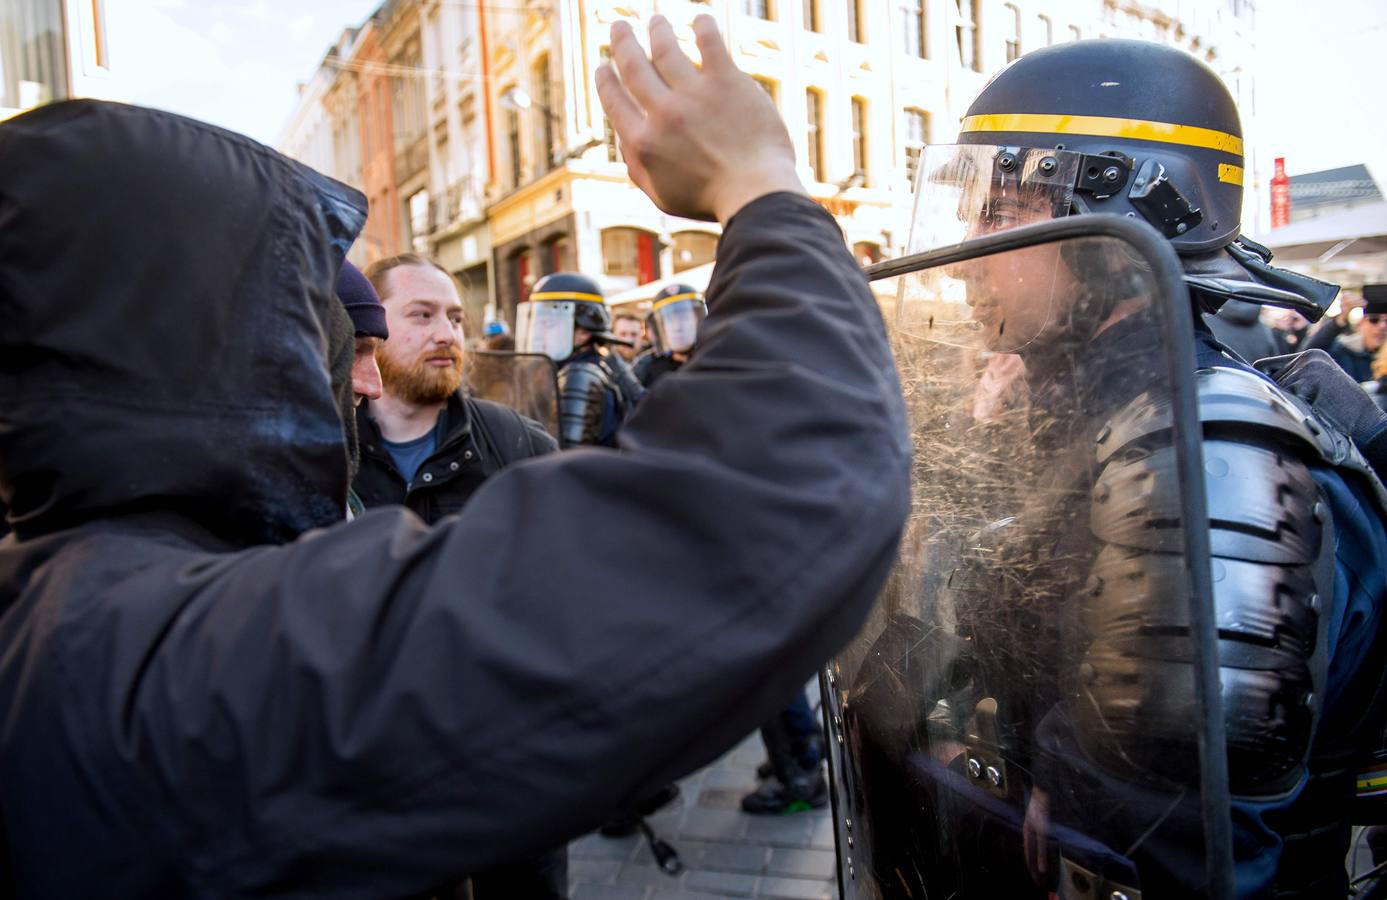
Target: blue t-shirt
(410, 455)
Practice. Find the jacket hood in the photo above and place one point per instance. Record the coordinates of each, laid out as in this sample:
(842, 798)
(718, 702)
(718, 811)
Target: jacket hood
(166, 307)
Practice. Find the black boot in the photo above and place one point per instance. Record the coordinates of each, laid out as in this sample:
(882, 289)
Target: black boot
(795, 788)
(803, 792)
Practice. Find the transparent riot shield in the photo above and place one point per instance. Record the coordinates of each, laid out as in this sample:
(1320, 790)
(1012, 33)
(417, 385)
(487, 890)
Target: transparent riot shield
(1032, 710)
(526, 382)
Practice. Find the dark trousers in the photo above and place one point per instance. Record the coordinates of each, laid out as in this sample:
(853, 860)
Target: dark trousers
(794, 736)
(544, 877)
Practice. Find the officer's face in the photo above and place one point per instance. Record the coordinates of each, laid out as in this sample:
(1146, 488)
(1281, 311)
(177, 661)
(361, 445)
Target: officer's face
(1019, 296)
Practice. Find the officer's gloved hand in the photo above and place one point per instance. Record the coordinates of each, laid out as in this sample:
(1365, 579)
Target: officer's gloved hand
(701, 142)
(1316, 378)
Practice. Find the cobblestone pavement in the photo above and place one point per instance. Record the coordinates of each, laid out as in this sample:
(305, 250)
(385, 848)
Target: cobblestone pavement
(726, 852)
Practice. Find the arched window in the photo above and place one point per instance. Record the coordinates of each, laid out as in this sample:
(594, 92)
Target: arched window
(866, 253)
(693, 248)
(630, 253)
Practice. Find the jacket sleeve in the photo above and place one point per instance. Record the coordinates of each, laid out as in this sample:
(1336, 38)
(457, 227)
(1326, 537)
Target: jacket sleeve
(392, 706)
(1323, 336)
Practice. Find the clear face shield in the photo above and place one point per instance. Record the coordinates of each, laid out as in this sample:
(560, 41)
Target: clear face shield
(674, 323)
(545, 326)
(1000, 304)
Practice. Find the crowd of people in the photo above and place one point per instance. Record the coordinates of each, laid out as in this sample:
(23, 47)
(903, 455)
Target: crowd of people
(289, 608)
(1355, 337)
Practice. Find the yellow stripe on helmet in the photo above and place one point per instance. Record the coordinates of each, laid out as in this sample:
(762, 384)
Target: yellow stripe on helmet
(569, 295)
(1230, 174)
(1106, 126)
(660, 304)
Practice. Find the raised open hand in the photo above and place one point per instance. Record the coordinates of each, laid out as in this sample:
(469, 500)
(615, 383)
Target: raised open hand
(701, 142)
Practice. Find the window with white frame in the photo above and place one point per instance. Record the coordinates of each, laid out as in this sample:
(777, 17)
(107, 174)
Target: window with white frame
(916, 137)
(913, 28)
(966, 32)
(1014, 39)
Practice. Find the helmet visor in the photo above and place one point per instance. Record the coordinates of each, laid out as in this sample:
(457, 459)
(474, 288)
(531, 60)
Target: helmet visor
(674, 323)
(545, 326)
(967, 191)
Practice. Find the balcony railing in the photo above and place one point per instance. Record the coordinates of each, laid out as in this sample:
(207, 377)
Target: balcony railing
(461, 202)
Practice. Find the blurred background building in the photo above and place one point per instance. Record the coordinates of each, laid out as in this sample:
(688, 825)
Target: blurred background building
(52, 50)
(475, 131)
(1334, 227)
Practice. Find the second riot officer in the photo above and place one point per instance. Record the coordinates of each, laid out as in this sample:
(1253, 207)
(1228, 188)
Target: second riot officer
(566, 318)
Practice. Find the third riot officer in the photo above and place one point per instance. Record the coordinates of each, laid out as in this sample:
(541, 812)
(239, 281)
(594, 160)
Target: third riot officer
(673, 323)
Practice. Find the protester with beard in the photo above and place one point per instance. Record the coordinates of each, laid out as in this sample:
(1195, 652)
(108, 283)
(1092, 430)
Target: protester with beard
(429, 446)
(425, 444)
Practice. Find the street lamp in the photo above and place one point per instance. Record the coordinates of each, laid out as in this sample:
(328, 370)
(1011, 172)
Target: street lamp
(518, 99)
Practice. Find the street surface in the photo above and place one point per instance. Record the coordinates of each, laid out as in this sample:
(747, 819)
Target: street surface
(726, 852)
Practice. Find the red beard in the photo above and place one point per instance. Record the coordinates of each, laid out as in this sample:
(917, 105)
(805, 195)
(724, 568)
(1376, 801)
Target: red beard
(419, 382)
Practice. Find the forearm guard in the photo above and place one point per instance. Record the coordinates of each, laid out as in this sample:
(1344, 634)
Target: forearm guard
(1273, 568)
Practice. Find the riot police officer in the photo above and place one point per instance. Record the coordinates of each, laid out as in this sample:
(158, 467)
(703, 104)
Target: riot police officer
(1048, 701)
(675, 314)
(566, 318)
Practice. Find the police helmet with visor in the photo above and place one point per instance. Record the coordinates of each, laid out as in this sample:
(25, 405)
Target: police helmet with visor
(1122, 127)
(675, 314)
(557, 304)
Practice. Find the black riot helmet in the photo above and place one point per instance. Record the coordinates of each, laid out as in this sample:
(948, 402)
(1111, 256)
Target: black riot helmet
(557, 304)
(1130, 128)
(1157, 131)
(675, 313)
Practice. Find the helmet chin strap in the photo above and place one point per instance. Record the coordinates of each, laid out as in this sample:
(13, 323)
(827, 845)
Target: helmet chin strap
(1244, 273)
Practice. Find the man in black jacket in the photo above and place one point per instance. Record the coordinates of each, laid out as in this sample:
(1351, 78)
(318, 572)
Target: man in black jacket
(425, 444)
(212, 686)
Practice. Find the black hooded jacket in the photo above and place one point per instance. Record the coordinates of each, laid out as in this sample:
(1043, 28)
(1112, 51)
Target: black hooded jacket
(203, 692)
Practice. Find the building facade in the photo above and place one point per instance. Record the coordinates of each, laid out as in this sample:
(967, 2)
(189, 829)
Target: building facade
(52, 50)
(505, 169)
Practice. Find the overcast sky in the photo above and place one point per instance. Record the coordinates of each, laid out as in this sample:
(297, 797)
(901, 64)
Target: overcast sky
(1320, 67)
(236, 63)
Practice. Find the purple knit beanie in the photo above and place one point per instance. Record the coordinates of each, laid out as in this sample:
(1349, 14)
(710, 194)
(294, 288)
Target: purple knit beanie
(361, 302)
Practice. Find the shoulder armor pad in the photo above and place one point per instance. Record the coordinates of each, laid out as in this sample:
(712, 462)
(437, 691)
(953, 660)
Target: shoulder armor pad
(583, 376)
(1247, 403)
(1263, 503)
(1225, 395)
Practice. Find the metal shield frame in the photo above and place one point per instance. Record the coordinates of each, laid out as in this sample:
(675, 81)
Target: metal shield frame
(1167, 275)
